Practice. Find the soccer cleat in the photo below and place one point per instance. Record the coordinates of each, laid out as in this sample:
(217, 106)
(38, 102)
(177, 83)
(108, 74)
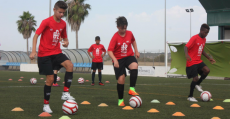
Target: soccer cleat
(192, 99)
(131, 92)
(101, 84)
(67, 96)
(121, 102)
(92, 84)
(47, 109)
(199, 88)
(55, 85)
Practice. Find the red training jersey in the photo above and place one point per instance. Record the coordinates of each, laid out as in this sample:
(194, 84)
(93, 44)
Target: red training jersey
(121, 46)
(97, 52)
(195, 48)
(51, 32)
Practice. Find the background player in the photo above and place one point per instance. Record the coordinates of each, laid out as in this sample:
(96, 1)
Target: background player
(194, 66)
(97, 62)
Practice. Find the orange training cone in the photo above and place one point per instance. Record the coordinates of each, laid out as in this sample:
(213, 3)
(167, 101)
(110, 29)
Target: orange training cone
(44, 114)
(152, 111)
(86, 80)
(195, 105)
(102, 105)
(215, 118)
(10, 79)
(41, 78)
(218, 108)
(17, 109)
(85, 103)
(127, 108)
(107, 82)
(170, 103)
(178, 114)
(19, 79)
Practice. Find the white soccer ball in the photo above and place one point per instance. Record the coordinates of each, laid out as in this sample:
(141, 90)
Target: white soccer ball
(70, 107)
(135, 101)
(81, 80)
(205, 96)
(58, 78)
(33, 80)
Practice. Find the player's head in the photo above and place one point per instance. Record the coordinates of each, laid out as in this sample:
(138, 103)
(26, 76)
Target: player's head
(97, 40)
(59, 9)
(122, 24)
(204, 30)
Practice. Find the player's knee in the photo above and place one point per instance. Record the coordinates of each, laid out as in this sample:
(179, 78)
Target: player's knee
(99, 70)
(195, 79)
(207, 71)
(134, 65)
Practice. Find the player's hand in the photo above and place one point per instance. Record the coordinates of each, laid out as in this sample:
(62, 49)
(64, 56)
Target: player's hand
(116, 64)
(188, 58)
(212, 60)
(92, 57)
(137, 54)
(32, 55)
(65, 43)
(102, 56)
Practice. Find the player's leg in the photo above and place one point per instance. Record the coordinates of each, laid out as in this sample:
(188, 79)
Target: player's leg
(100, 67)
(192, 72)
(68, 79)
(203, 71)
(133, 67)
(93, 67)
(45, 68)
(55, 78)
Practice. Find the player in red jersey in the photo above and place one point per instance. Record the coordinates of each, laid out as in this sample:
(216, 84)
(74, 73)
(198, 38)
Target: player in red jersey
(97, 62)
(194, 66)
(121, 52)
(50, 54)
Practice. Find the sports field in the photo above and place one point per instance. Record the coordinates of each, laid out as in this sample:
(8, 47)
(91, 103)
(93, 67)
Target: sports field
(30, 98)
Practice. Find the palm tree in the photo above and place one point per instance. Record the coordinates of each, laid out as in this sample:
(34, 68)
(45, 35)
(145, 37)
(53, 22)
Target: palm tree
(77, 12)
(26, 25)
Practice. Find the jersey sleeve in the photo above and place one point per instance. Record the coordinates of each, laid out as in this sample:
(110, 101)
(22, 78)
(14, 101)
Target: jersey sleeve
(90, 49)
(191, 42)
(112, 44)
(64, 33)
(133, 39)
(42, 27)
(103, 49)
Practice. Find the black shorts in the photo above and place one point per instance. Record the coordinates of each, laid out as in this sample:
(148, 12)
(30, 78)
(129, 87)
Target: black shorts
(123, 63)
(97, 65)
(47, 64)
(194, 70)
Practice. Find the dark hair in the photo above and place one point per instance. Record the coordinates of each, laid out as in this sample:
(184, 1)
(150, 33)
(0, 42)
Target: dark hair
(97, 38)
(60, 4)
(204, 26)
(122, 21)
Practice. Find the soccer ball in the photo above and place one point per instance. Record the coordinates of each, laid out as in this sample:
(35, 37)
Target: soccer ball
(135, 101)
(81, 80)
(58, 78)
(205, 96)
(70, 107)
(33, 80)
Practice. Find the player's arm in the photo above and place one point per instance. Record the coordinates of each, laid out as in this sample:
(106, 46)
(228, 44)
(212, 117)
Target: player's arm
(209, 58)
(137, 54)
(104, 50)
(65, 42)
(90, 50)
(34, 53)
(111, 55)
(188, 58)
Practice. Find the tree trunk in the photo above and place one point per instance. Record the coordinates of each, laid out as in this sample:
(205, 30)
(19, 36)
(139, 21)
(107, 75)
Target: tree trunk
(76, 39)
(27, 47)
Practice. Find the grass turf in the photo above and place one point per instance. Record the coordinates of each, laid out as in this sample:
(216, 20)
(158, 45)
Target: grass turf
(30, 98)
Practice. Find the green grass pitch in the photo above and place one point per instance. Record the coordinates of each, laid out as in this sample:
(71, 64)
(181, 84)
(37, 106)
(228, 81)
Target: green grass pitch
(30, 98)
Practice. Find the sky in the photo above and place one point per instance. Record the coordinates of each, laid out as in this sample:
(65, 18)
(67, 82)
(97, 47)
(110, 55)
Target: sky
(145, 20)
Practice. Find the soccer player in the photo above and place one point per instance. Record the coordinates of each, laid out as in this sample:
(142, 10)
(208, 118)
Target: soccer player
(121, 52)
(97, 62)
(50, 54)
(194, 66)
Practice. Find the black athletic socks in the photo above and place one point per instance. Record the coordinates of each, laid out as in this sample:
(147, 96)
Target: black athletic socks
(120, 90)
(133, 77)
(93, 76)
(55, 78)
(99, 76)
(201, 79)
(47, 91)
(192, 87)
(68, 81)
